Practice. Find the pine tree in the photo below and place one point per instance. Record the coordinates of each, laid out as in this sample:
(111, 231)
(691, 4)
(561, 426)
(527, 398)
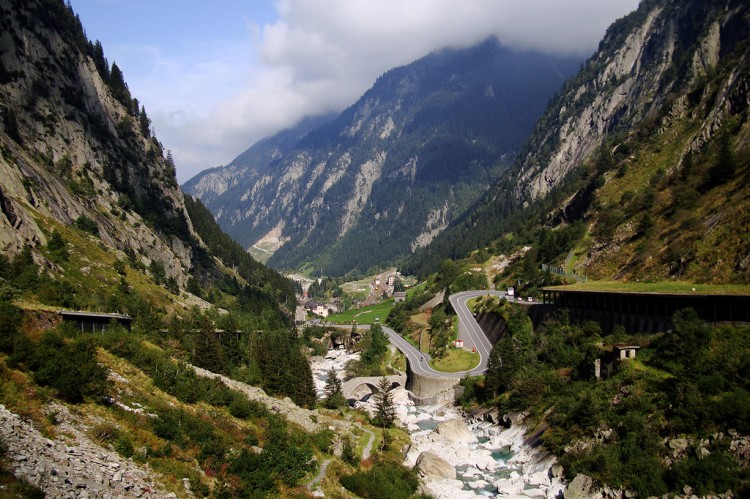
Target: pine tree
(385, 413)
(334, 394)
(118, 86)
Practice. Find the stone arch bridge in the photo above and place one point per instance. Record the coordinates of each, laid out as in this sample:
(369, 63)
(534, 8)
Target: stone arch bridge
(361, 388)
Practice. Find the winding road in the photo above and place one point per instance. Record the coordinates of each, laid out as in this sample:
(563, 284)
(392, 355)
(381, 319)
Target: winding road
(468, 330)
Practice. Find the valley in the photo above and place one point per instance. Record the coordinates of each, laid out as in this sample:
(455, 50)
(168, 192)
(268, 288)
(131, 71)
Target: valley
(496, 268)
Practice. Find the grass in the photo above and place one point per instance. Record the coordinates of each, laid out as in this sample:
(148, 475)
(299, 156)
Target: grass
(455, 360)
(364, 315)
(672, 287)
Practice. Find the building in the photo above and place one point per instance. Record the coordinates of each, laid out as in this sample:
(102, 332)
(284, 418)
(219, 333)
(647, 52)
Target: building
(321, 310)
(399, 296)
(93, 322)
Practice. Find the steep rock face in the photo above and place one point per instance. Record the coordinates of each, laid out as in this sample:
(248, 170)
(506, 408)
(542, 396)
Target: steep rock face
(389, 173)
(72, 149)
(645, 57)
(632, 148)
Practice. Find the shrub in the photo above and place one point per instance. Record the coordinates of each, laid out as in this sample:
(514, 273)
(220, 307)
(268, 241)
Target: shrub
(85, 224)
(384, 479)
(68, 367)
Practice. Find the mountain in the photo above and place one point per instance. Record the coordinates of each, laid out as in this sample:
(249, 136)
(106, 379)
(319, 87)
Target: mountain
(645, 150)
(83, 176)
(240, 175)
(393, 170)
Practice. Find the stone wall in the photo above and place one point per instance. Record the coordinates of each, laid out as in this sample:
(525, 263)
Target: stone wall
(431, 390)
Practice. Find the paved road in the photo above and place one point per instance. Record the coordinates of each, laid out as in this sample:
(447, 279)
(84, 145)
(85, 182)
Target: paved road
(468, 329)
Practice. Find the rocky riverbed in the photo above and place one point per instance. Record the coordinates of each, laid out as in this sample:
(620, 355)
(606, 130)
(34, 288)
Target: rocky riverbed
(460, 456)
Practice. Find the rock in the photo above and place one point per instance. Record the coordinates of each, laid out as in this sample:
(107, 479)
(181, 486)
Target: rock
(463, 452)
(478, 484)
(432, 465)
(678, 446)
(539, 478)
(509, 487)
(534, 493)
(471, 472)
(557, 471)
(580, 488)
(456, 432)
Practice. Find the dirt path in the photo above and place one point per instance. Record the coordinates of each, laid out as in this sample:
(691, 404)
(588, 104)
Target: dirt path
(321, 474)
(368, 448)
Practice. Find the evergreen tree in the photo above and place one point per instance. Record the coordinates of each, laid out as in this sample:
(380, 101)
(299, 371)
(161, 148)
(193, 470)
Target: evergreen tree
(208, 352)
(118, 86)
(334, 394)
(102, 66)
(725, 166)
(385, 410)
(145, 123)
(376, 347)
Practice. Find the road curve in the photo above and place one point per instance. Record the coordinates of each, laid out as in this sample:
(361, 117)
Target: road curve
(468, 330)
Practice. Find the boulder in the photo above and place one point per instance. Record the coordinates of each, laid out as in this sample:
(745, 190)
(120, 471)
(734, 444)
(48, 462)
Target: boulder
(456, 432)
(538, 479)
(432, 465)
(509, 487)
(580, 488)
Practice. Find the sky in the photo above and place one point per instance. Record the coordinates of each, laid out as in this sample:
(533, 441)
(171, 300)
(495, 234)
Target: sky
(216, 77)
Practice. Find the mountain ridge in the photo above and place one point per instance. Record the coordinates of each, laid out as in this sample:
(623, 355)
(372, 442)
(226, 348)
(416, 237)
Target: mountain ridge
(392, 170)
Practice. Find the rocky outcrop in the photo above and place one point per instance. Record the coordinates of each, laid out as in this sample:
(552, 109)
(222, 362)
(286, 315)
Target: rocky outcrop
(581, 487)
(75, 466)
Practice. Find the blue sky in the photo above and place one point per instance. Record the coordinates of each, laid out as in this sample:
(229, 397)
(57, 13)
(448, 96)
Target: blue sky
(215, 77)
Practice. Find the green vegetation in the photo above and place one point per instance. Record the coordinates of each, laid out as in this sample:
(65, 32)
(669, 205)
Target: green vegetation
(334, 395)
(691, 383)
(366, 315)
(455, 360)
(639, 208)
(661, 287)
(374, 346)
(383, 479)
(189, 426)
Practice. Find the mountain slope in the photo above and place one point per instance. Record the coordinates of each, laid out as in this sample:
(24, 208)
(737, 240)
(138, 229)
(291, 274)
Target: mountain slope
(239, 175)
(629, 147)
(394, 169)
(80, 165)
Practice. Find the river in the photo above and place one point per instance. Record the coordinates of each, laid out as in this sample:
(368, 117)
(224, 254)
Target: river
(489, 459)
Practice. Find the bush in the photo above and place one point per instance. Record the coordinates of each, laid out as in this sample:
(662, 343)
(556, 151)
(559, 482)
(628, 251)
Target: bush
(85, 224)
(70, 368)
(384, 479)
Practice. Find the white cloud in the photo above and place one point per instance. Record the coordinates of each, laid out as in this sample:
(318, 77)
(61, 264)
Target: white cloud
(321, 55)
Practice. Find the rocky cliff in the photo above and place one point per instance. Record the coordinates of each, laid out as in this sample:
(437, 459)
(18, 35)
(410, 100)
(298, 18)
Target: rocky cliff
(72, 147)
(392, 171)
(645, 149)
(643, 63)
